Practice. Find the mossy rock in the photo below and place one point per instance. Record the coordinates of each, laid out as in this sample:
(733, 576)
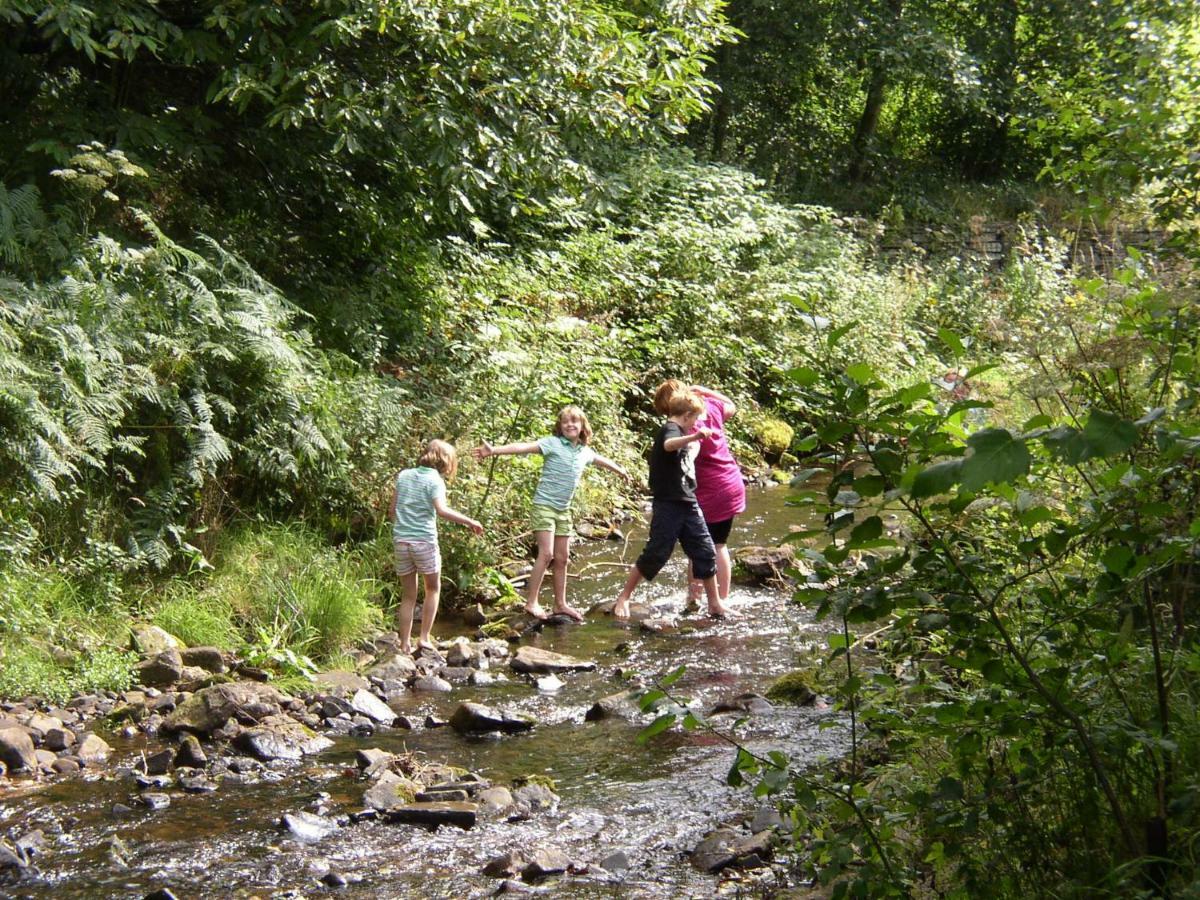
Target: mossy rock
(544, 780)
(793, 687)
(773, 435)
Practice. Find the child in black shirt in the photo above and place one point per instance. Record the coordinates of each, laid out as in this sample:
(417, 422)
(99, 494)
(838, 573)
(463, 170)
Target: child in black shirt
(675, 515)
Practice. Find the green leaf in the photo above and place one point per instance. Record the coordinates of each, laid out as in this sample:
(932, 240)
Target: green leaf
(861, 372)
(804, 376)
(937, 479)
(671, 678)
(658, 726)
(997, 457)
(838, 333)
(1117, 558)
(952, 340)
(866, 530)
(869, 485)
(1108, 434)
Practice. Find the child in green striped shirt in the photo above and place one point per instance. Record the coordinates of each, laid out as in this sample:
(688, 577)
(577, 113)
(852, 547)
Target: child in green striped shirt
(566, 454)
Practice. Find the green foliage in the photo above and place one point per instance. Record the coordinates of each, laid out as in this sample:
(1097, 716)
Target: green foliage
(198, 621)
(1029, 715)
(774, 435)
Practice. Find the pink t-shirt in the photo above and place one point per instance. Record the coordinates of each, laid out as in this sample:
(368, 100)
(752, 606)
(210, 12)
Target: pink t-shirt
(719, 486)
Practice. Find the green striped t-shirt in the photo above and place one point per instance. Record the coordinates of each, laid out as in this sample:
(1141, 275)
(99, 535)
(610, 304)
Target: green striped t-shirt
(562, 466)
(416, 519)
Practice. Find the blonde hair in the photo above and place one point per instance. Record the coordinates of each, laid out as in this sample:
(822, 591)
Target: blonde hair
(585, 427)
(683, 402)
(441, 456)
(662, 396)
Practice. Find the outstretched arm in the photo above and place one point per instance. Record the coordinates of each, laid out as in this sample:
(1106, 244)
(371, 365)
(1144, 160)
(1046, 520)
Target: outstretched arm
(605, 463)
(454, 515)
(484, 450)
(730, 406)
(677, 443)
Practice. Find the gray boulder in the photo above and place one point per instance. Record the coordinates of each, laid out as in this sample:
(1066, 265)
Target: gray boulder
(160, 670)
(475, 718)
(150, 640)
(281, 737)
(433, 815)
(17, 750)
(307, 827)
(93, 750)
(536, 660)
(209, 709)
(208, 658)
(544, 862)
(372, 707)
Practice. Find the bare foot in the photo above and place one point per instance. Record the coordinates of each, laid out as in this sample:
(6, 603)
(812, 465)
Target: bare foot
(569, 611)
(620, 609)
(406, 649)
(536, 611)
(718, 612)
(426, 645)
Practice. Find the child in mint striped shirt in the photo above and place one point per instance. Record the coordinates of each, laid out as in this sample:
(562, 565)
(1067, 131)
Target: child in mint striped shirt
(419, 499)
(566, 454)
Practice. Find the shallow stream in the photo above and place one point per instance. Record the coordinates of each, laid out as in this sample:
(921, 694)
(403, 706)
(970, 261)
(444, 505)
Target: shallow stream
(654, 801)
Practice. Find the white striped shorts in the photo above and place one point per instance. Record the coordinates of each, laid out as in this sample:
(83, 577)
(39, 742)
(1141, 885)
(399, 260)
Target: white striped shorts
(418, 556)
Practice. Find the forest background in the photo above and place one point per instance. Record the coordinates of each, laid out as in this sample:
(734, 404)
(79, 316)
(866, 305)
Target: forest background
(254, 254)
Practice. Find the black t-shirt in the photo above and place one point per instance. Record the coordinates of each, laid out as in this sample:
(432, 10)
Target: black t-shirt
(672, 474)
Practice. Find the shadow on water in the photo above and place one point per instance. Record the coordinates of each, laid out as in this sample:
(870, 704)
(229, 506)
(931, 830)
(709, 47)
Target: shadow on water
(654, 801)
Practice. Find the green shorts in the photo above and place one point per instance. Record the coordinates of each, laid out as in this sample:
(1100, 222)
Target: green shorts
(556, 521)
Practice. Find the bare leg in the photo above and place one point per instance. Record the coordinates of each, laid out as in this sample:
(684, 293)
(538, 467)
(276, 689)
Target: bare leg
(408, 602)
(545, 552)
(724, 571)
(433, 594)
(695, 587)
(621, 607)
(562, 558)
(715, 607)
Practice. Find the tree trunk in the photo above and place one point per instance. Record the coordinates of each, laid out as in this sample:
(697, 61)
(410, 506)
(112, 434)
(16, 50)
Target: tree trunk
(868, 123)
(724, 102)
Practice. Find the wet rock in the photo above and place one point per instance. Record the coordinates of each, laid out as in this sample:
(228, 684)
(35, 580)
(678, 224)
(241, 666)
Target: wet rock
(11, 858)
(117, 852)
(432, 721)
(531, 798)
(161, 894)
(190, 754)
(793, 687)
(767, 818)
(209, 709)
(332, 707)
(208, 658)
(334, 879)
(724, 848)
(765, 564)
(58, 739)
(433, 815)
(615, 862)
(475, 616)
(462, 654)
(64, 765)
(475, 718)
(537, 660)
(444, 795)
(150, 640)
(549, 684)
(164, 668)
(405, 723)
(372, 758)
(195, 782)
(305, 826)
(494, 801)
(506, 865)
(614, 706)
(339, 682)
(372, 707)
(456, 675)
(281, 737)
(38, 724)
(165, 703)
(45, 760)
(155, 801)
(121, 809)
(159, 763)
(399, 667)
(479, 677)
(510, 886)
(638, 611)
(93, 750)
(559, 620)
(432, 684)
(659, 625)
(742, 703)
(153, 781)
(391, 791)
(16, 749)
(545, 861)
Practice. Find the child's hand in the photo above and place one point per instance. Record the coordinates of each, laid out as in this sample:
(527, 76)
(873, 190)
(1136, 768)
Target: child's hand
(705, 432)
(475, 527)
(483, 451)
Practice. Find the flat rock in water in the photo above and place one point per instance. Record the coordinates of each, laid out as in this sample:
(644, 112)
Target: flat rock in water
(615, 862)
(549, 684)
(742, 703)
(544, 862)
(724, 848)
(390, 793)
(93, 749)
(461, 815)
(475, 718)
(155, 800)
(17, 750)
(307, 827)
(495, 800)
(210, 708)
(281, 737)
(339, 681)
(398, 667)
(506, 865)
(372, 707)
(614, 706)
(537, 660)
(432, 684)
(533, 798)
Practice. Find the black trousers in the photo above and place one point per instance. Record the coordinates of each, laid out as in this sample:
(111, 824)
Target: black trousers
(679, 521)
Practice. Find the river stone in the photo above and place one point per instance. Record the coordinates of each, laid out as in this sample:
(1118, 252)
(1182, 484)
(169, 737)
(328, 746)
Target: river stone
(536, 660)
(615, 862)
(494, 801)
(190, 754)
(58, 739)
(545, 861)
(432, 684)
(93, 749)
(158, 763)
(65, 765)
(462, 815)
(724, 848)
(475, 718)
(281, 737)
(742, 703)
(11, 859)
(399, 667)
(371, 757)
(46, 759)
(31, 843)
(39, 724)
(150, 640)
(531, 798)
(614, 706)
(161, 669)
(506, 865)
(446, 795)
(195, 782)
(307, 827)
(156, 801)
(17, 750)
(372, 707)
(391, 791)
(208, 658)
(340, 682)
(462, 654)
(764, 564)
(209, 709)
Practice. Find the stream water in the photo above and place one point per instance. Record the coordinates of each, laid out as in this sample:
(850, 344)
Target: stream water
(654, 801)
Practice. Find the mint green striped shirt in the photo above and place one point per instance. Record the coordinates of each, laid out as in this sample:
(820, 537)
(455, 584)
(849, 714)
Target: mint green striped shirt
(416, 518)
(562, 467)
